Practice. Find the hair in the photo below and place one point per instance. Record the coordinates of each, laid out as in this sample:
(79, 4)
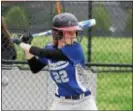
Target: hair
(6, 43)
(4, 31)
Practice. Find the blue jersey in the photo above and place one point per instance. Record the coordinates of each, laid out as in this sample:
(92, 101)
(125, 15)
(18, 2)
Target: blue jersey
(66, 74)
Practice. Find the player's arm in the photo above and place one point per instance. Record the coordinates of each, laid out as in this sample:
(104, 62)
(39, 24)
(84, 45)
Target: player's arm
(50, 54)
(34, 63)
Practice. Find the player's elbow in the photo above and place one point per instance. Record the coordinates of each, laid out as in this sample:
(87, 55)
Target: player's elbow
(34, 71)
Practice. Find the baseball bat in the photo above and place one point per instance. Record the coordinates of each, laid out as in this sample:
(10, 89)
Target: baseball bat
(82, 24)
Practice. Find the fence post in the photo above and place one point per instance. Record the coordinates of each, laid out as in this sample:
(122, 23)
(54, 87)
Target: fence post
(89, 31)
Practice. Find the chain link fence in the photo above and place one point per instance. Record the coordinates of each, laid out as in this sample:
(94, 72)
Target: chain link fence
(112, 36)
(22, 90)
(110, 47)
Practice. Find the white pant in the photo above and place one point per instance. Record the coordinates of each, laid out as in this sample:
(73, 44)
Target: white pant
(85, 103)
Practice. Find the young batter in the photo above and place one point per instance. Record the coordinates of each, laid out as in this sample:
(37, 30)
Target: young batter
(66, 62)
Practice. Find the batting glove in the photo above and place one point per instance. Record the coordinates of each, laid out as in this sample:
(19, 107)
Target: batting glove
(17, 41)
(27, 38)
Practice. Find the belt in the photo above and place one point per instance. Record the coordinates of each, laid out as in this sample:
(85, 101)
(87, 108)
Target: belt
(75, 97)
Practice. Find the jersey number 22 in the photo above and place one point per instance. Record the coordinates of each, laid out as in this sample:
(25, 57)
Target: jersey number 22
(61, 76)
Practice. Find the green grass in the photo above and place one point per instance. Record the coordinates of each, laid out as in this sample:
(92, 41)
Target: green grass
(114, 90)
(110, 50)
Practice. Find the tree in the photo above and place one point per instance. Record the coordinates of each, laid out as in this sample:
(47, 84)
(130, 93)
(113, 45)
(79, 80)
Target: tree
(129, 21)
(102, 18)
(16, 16)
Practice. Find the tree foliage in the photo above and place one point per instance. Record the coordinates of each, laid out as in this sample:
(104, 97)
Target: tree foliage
(102, 18)
(16, 16)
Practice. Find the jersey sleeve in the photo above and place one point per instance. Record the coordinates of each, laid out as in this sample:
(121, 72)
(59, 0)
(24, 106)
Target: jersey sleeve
(74, 53)
(44, 60)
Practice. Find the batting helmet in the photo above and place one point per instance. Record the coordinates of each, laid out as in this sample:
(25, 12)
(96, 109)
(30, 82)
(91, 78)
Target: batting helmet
(64, 22)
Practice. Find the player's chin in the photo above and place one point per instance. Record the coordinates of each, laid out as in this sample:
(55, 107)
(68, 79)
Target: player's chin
(70, 42)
